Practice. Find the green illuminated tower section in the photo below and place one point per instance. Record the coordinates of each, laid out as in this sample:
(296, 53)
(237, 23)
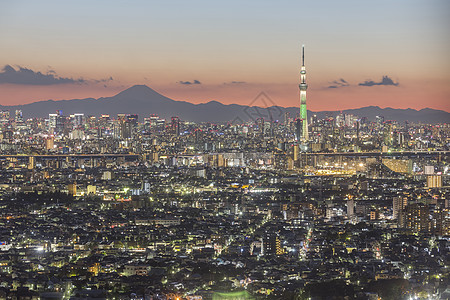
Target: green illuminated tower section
(303, 86)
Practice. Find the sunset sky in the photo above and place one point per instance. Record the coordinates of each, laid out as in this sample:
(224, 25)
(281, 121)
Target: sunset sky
(358, 53)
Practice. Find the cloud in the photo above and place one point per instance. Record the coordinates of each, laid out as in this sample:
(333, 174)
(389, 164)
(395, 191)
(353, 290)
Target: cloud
(103, 80)
(235, 82)
(385, 81)
(29, 77)
(195, 81)
(338, 83)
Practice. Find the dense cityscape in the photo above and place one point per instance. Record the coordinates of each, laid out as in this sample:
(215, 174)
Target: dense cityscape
(224, 150)
(141, 207)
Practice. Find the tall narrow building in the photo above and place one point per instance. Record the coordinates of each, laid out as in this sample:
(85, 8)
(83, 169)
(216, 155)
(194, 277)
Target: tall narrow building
(303, 86)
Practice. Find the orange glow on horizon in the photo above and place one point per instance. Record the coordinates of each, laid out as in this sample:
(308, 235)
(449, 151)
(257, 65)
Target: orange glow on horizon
(406, 95)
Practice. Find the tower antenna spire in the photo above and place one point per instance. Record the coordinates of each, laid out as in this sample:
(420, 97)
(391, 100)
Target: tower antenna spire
(303, 55)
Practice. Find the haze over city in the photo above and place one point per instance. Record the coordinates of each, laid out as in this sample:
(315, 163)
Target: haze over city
(384, 53)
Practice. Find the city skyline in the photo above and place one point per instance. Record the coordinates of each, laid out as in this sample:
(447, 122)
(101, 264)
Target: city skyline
(207, 150)
(385, 54)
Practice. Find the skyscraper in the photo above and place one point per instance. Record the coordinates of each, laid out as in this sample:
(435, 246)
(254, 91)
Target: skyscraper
(175, 126)
(18, 118)
(303, 86)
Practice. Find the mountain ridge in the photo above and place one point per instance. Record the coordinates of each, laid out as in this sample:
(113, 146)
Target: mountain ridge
(143, 100)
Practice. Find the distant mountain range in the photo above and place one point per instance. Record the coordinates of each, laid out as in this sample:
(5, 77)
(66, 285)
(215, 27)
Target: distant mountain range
(142, 100)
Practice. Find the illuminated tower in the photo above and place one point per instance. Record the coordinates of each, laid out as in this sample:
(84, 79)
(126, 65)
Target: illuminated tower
(303, 86)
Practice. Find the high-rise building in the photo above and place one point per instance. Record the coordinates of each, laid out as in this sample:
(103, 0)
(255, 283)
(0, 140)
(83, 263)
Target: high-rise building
(303, 86)
(272, 245)
(286, 119)
(72, 189)
(374, 214)
(398, 204)
(56, 121)
(298, 129)
(4, 116)
(175, 126)
(153, 122)
(415, 217)
(133, 119)
(295, 152)
(49, 143)
(124, 128)
(434, 181)
(379, 120)
(31, 163)
(260, 125)
(52, 121)
(440, 222)
(77, 120)
(429, 170)
(350, 208)
(18, 117)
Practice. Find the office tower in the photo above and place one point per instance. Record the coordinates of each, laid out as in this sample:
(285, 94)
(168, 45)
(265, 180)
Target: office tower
(4, 116)
(56, 121)
(379, 120)
(298, 129)
(286, 119)
(357, 131)
(18, 117)
(340, 120)
(160, 125)
(77, 120)
(303, 86)
(269, 127)
(133, 119)
(118, 126)
(52, 121)
(175, 126)
(132, 124)
(260, 125)
(153, 126)
(147, 124)
(124, 129)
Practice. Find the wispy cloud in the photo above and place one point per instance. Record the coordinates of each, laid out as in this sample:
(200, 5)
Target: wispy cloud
(26, 76)
(386, 80)
(104, 80)
(195, 81)
(234, 82)
(338, 83)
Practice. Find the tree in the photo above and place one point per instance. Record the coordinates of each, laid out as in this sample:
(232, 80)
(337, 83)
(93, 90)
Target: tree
(335, 289)
(389, 289)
